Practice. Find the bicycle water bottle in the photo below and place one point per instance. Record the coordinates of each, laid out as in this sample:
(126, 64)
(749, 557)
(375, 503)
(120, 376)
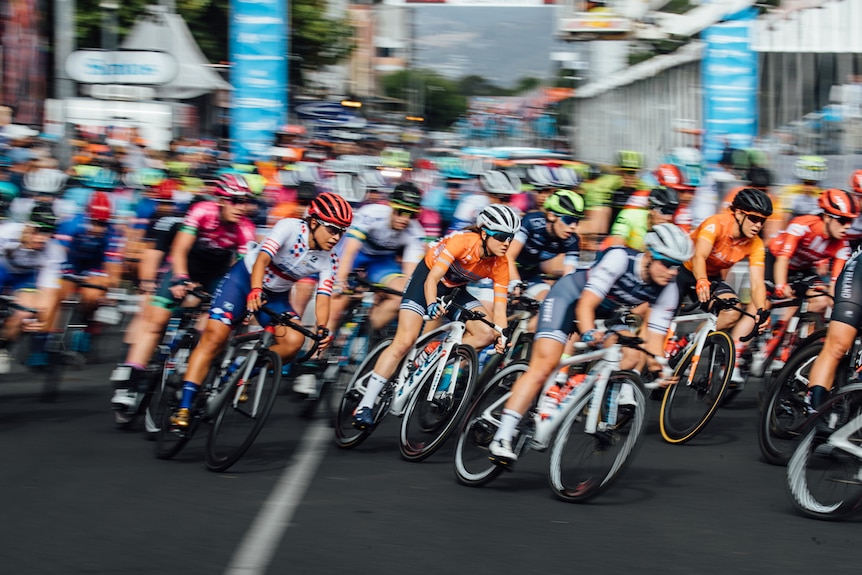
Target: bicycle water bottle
(235, 365)
(426, 353)
(550, 402)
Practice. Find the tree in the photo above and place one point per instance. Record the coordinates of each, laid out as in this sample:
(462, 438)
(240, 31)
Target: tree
(443, 100)
(315, 39)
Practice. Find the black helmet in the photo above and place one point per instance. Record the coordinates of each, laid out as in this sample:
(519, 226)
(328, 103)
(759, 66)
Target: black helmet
(666, 200)
(758, 177)
(406, 196)
(42, 217)
(752, 200)
(305, 192)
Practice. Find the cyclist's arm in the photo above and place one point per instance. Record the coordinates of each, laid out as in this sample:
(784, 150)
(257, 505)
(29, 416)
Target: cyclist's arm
(321, 309)
(758, 286)
(258, 270)
(512, 255)
(780, 270)
(585, 310)
(180, 249)
(348, 256)
(435, 274)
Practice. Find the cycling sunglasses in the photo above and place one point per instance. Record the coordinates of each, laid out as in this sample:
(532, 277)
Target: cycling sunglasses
(672, 265)
(755, 218)
(333, 230)
(501, 237)
(568, 220)
(240, 201)
(842, 220)
(667, 210)
(401, 211)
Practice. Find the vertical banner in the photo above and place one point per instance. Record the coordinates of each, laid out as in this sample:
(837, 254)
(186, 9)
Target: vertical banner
(730, 84)
(23, 65)
(258, 53)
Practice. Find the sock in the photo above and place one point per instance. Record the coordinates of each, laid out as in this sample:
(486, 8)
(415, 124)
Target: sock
(190, 390)
(375, 385)
(563, 373)
(508, 424)
(819, 395)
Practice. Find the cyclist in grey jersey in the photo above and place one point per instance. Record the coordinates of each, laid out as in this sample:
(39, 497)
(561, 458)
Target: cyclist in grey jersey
(620, 278)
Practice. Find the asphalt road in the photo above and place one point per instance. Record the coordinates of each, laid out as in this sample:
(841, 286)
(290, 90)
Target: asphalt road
(80, 496)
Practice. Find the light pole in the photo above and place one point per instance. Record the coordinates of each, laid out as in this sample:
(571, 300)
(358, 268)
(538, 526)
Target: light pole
(109, 23)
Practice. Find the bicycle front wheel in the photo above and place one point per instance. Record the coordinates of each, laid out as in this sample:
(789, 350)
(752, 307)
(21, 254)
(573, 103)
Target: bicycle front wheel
(243, 412)
(427, 423)
(346, 435)
(824, 482)
(584, 464)
(472, 466)
(688, 406)
(782, 422)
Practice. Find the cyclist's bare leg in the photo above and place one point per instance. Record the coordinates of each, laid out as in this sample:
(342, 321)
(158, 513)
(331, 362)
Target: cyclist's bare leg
(839, 338)
(409, 326)
(288, 343)
(479, 335)
(155, 320)
(543, 361)
(727, 319)
(337, 304)
(212, 342)
(386, 309)
(742, 326)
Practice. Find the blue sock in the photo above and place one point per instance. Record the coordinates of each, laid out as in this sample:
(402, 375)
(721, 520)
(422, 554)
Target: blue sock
(190, 390)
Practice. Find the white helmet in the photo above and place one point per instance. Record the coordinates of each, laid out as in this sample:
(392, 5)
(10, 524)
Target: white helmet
(497, 183)
(499, 218)
(669, 242)
(810, 168)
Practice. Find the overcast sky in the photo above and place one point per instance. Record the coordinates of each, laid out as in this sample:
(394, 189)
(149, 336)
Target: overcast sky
(500, 44)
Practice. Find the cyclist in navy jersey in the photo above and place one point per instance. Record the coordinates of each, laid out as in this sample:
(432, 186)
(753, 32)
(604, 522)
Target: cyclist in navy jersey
(543, 237)
(620, 278)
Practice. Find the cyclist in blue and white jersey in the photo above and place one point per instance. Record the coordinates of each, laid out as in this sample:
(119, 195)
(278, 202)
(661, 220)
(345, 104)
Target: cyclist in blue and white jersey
(379, 235)
(620, 278)
(293, 249)
(544, 236)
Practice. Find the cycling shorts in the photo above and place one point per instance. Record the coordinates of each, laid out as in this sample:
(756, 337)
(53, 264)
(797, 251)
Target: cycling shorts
(12, 282)
(228, 305)
(378, 269)
(848, 294)
(414, 294)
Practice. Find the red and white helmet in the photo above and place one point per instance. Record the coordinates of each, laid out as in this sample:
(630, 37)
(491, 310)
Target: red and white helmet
(671, 176)
(839, 203)
(856, 181)
(231, 186)
(332, 209)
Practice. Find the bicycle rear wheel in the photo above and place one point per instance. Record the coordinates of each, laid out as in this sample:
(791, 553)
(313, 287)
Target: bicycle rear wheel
(346, 435)
(687, 408)
(243, 412)
(427, 423)
(782, 421)
(585, 464)
(472, 466)
(827, 483)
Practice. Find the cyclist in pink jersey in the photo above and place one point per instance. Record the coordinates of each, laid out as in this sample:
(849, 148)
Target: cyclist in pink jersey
(210, 238)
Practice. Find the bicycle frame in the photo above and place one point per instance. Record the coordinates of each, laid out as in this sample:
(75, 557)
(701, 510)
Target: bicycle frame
(261, 339)
(710, 322)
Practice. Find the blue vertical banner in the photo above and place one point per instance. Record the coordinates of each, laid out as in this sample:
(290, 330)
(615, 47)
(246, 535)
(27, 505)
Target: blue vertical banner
(730, 85)
(258, 54)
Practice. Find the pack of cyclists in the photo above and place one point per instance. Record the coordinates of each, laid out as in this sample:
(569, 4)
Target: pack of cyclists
(251, 240)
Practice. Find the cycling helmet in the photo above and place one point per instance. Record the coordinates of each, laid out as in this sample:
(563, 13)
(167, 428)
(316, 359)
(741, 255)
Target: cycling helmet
(499, 218)
(497, 183)
(671, 177)
(231, 185)
(856, 181)
(99, 207)
(565, 203)
(305, 192)
(565, 178)
(406, 196)
(758, 177)
(664, 199)
(810, 168)
(690, 163)
(752, 200)
(629, 160)
(838, 203)
(669, 242)
(332, 209)
(540, 177)
(45, 181)
(43, 218)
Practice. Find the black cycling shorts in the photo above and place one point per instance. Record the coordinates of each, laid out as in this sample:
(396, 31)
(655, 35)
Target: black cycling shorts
(848, 293)
(413, 298)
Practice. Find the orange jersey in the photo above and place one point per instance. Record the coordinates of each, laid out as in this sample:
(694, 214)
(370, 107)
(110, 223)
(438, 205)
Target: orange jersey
(726, 250)
(806, 242)
(460, 255)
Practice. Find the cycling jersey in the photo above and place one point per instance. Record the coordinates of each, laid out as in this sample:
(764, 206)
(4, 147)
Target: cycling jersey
(616, 278)
(632, 226)
(468, 210)
(805, 242)
(216, 241)
(848, 293)
(540, 245)
(86, 250)
(292, 259)
(726, 250)
(799, 200)
(460, 255)
(21, 267)
(372, 226)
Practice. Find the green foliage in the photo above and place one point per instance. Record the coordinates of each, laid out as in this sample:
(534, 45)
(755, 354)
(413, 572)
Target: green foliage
(444, 101)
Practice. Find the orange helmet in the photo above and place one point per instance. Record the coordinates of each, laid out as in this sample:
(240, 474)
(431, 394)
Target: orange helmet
(670, 176)
(839, 203)
(856, 181)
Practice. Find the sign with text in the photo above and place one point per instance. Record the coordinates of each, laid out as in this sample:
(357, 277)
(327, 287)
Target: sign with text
(121, 67)
(258, 53)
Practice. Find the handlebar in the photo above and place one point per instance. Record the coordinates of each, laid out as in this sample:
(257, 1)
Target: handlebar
(353, 277)
(286, 319)
(11, 302)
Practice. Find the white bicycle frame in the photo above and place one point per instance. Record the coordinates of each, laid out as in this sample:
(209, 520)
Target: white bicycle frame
(840, 438)
(710, 323)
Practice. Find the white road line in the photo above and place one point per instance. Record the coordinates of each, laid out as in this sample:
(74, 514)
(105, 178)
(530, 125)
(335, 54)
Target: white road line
(257, 548)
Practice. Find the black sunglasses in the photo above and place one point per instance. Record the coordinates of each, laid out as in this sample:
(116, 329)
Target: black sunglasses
(667, 210)
(754, 218)
(240, 201)
(501, 237)
(843, 220)
(404, 212)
